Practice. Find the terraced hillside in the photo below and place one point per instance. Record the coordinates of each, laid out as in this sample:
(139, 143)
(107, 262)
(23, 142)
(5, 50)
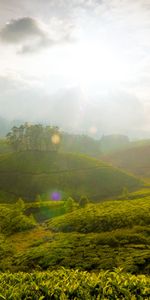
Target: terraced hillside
(32, 173)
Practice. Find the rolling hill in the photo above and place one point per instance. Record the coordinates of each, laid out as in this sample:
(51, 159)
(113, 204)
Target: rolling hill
(31, 173)
(100, 236)
(135, 160)
(106, 216)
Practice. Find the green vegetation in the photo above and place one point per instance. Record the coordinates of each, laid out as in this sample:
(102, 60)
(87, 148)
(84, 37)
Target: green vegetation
(80, 144)
(110, 238)
(101, 236)
(128, 249)
(12, 219)
(44, 210)
(34, 137)
(70, 205)
(139, 194)
(65, 284)
(31, 173)
(105, 216)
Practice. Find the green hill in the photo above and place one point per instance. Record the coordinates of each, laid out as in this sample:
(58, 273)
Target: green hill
(32, 173)
(135, 159)
(107, 216)
(101, 236)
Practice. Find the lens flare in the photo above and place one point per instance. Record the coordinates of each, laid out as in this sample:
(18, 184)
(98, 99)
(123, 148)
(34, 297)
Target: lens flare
(56, 196)
(55, 139)
(93, 130)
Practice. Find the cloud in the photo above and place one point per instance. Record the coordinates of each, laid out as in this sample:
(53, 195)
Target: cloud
(19, 30)
(32, 36)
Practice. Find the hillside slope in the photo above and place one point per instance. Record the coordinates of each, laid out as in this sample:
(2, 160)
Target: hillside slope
(107, 216)
(135, 160)
(27, 174)
(99, 236)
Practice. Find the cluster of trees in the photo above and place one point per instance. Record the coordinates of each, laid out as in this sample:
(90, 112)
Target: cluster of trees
(71, 204)
(34, 137)
(38, 137)
(13, 219)
(80, 144)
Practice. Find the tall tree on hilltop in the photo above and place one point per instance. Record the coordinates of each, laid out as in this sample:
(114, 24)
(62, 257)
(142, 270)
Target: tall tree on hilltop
(34, 137)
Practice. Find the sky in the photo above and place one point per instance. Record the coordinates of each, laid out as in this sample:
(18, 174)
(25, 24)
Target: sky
(83, 65)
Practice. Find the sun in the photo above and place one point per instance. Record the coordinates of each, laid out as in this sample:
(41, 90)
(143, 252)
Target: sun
(86, 63)
(93, 62)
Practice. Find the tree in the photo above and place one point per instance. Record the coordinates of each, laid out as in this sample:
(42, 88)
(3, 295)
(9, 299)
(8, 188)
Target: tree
(125, 193)
(20, 205)
(83, 201)
(70, 205)
(34, 137)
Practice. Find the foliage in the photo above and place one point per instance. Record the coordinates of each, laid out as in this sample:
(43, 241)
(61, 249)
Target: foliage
(83, 201)
(12, 219)
(70, 205)
(34, 137)
(106, 216)
(66, 284)
(138, 194)
(44, 210)
(90, 246)
(20, 205)
(5, 249)
(80, 144)
(128, 249)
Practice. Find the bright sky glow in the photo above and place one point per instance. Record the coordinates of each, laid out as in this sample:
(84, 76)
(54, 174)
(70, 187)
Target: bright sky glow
(87, 59)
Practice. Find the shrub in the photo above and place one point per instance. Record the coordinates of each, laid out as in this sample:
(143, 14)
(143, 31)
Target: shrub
(73, 284)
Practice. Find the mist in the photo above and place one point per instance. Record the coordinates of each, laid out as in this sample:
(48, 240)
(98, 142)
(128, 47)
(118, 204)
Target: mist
(79, 65)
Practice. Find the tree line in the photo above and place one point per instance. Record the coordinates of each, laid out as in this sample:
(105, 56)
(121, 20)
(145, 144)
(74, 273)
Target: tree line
(34, 137)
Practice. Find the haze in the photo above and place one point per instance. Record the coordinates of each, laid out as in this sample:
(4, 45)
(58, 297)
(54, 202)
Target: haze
(81, 65)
